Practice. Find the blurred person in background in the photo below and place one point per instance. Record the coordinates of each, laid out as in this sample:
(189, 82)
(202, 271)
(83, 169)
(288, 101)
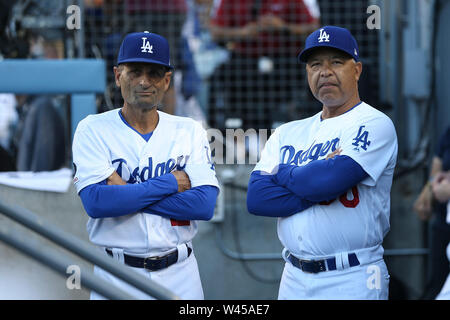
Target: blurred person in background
(9, 48)
(441, 192)
(8, 119)
(38, 141)
(428, 209)
(31, 126)
(40, 136)
(200, 56)
(264, 37)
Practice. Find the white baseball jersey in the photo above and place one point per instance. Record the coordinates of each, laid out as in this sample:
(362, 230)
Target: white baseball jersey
(105, 142)
(354, 221)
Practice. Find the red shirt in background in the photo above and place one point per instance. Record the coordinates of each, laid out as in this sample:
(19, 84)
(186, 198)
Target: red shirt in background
(167, 6)
(237, 13)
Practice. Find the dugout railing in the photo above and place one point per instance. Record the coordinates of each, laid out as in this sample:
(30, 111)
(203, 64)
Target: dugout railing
(60, 262)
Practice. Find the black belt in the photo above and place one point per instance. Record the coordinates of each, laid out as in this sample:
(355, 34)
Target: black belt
(316, 266)
(152, 263)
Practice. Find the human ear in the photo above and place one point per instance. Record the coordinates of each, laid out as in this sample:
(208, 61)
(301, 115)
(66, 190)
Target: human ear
(167, 79)
(117, 73)
(358, 68)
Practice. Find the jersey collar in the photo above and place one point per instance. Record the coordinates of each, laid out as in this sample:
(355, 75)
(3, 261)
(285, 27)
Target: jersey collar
(345, 111)
(146, 136)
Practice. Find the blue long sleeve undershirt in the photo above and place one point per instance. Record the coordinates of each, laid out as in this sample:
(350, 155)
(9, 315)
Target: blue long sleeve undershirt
(155, 196)
(266, 198)
(321, 180)
(293, 188)
(105, 201)
(194, 204)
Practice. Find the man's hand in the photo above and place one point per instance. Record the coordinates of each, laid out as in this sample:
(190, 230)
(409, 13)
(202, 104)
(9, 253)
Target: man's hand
(250, 30)
(182, 179)
(334, 153)
(441, 187)
(423, 204)
(115, 179)
(270, 22)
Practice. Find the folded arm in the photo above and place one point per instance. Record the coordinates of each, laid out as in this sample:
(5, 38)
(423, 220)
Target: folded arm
(266, 198)
(321, 180)
(194, 204)
(169, 196)
(107, 201)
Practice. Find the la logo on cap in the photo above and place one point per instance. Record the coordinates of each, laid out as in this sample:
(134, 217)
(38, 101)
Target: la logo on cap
(146, 47)
(323, 36)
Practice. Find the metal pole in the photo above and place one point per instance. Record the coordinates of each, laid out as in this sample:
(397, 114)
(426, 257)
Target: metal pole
(277, 255)
(79, 34)
(59, 263)
(71, 243)
(406, 252)
(243, 256)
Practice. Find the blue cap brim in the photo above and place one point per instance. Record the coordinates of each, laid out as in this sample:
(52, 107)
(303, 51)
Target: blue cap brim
(146, 61)
(303, 56)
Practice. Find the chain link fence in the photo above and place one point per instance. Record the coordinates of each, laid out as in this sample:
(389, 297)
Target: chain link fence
(236, 61)
(239, 77)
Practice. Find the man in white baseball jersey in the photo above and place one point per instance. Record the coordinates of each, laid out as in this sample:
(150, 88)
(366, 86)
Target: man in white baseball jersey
(328, 178)
(145, 176)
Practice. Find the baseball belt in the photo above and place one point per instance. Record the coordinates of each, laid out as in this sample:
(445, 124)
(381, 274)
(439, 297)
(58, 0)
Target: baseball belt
(316, 266)
(152, 263)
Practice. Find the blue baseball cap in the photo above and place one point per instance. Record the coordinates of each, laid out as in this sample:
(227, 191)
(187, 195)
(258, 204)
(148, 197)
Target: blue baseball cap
(332, 37)
(144, 47)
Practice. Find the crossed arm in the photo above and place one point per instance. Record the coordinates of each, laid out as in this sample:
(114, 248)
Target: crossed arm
(293, 189)
(169, 195)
